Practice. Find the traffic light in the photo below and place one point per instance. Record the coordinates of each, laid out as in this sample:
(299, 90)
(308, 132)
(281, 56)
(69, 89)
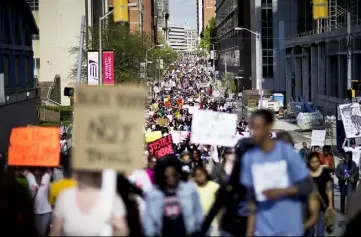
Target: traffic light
(120, 10)
(69, 91)
(350, 94)
(166, 16)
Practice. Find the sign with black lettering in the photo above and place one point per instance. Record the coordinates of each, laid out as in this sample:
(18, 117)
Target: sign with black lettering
(161, 147)
(108, 124)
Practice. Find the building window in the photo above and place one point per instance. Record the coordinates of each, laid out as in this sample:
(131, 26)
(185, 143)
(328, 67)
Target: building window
(27, 71)
(36, 63)
(267, 38)
(35, 37)
(34, 5)
(6, 71)
(17, 70)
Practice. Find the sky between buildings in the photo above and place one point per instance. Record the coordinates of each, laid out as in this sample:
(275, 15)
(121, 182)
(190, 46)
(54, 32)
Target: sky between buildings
(183, 12)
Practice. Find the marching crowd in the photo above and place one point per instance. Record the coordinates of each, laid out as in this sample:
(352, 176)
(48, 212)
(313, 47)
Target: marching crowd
(259, 187)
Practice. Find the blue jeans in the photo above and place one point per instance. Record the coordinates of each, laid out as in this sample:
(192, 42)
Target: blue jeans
(320, 225)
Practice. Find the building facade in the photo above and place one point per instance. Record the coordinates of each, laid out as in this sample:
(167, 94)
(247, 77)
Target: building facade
(18, 88)
(163, 8)
(238, 50)
(316, 56)
(176, 38)
(206, 10)
(191, 39)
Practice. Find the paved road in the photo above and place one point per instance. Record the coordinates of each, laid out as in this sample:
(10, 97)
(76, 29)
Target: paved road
(298, 138)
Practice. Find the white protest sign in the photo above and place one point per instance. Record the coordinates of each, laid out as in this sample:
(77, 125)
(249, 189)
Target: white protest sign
(351, 119)
(109, 128)
(213, 128)
(193, 109)
(216, 94)
(318, 137)
(179, 136)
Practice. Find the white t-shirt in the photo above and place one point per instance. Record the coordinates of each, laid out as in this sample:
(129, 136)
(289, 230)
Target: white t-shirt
(76, 223)
(41, 202)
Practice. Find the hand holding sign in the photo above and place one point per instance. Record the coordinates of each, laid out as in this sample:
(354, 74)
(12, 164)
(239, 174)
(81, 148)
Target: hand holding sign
(34, 146)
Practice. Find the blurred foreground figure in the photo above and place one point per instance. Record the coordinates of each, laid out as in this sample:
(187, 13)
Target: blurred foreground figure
(277, 180)
(173, 207)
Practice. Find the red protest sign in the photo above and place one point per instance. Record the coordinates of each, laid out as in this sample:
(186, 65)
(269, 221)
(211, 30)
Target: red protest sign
(161, 147)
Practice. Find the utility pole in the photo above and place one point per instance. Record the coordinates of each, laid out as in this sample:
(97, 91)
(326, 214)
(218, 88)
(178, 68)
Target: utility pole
(349, 52)
(350, 91)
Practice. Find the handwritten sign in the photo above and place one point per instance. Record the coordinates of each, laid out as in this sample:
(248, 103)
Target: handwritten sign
(109, 128)
(161, 147)
(162, 122)
(213, 128)
(351, 119)
(34, 146)
(318, 137)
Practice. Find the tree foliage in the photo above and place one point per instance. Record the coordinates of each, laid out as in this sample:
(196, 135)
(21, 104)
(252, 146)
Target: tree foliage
(129, 51)
(228, 82)
(209, 36)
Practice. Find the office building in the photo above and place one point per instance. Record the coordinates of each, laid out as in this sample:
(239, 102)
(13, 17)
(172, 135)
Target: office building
(206, 9)
(316, 55)
(176, 38)
(18, 89)
(238, 50)
(191, 39)
(141, 17)
(163, 8)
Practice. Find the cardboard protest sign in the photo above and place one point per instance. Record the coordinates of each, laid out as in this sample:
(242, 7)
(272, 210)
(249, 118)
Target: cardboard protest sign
(152, 136)
(34, 146)
(213, 128)
(161, 147)
(109, 128)
(318, 137)
(162, 122)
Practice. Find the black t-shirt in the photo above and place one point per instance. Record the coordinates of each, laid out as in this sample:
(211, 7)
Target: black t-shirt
(173, 223)
(321, 182)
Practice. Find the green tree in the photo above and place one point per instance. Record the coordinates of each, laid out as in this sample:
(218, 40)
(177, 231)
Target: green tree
(209, 36)
(228, 82)
(129, 51)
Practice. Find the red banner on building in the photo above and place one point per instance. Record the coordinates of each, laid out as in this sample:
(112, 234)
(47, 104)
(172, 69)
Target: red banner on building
(108, 68)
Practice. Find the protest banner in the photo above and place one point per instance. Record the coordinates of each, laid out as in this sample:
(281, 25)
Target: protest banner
(161, 147)
(34, 146)
(108, 126)
(318, 137)
(213, 128)
(152, 136)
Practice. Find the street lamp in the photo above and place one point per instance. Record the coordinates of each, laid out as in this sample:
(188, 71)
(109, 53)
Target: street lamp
(259, 76)
(146, 58)
(101, 43)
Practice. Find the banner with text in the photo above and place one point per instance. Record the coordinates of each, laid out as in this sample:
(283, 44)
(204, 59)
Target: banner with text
(108, 68)
(161, 147)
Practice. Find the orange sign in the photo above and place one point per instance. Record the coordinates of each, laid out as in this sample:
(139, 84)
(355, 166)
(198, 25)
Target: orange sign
(34, 146)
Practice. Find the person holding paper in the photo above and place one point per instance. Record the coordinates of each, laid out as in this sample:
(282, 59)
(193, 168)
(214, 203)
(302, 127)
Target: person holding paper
(277, 180)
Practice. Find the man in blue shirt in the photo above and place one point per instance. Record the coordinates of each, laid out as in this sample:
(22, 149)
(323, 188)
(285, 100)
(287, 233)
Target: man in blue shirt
(277, 178)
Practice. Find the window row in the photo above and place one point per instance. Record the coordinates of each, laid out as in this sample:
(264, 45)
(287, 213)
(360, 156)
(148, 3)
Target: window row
(227, 7)
(228, 26)
(33, 4)
(19, 73)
